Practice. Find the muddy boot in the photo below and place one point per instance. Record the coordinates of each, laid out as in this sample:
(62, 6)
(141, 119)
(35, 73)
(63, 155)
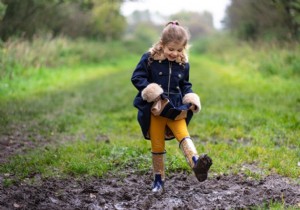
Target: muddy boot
(158, 171)
(199, 164)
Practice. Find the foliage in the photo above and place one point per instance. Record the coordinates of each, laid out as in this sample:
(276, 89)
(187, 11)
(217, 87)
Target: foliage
(108, 20)
(292, 18)
(102, 19)
(199, 24)
(268, 58)
(2, 10)
(26, 18)
(145, 32)
(253, 19)
(140, 17)
(146, 27)
(17, 56)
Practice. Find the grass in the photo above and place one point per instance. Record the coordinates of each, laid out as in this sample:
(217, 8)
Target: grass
(249, 117)
(246, 118)
(266, 58)
(18, 55)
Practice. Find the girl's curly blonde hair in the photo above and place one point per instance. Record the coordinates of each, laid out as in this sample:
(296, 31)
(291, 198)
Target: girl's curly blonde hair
(173, 32)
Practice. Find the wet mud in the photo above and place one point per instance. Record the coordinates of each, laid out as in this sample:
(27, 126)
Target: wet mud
(133, 191)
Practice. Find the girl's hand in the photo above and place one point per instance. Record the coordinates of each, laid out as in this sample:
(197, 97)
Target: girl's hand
(157, 99)
(193, 99)
(194, 108)
(152, 92)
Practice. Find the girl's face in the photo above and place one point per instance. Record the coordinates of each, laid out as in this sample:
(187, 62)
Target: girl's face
(173, 50)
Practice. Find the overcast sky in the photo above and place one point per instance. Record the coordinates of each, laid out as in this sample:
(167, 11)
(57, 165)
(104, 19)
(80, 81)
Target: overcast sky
(168, 7)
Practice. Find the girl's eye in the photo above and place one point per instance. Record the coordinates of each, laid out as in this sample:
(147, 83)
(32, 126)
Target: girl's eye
(171, 49)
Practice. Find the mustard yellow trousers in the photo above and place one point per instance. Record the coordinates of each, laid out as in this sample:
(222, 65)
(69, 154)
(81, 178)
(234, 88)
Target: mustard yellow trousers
(157, 131)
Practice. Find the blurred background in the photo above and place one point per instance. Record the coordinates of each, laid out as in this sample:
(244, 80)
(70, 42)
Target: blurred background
(50, 33)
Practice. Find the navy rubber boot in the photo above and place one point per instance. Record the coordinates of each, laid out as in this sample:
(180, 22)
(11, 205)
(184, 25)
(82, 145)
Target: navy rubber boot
(201, 166)
(158, 184)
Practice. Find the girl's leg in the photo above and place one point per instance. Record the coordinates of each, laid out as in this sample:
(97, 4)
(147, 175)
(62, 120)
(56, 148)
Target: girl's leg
(179, 128)
(199, 164)
(157, 136)
(157, 133)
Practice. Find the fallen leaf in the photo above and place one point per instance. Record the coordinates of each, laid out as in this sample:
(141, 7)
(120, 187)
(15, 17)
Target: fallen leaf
(16, 205)
(53, 200)
(92, 195)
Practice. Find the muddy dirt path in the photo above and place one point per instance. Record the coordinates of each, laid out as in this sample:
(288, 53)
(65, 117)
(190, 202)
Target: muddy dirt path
(182, 191)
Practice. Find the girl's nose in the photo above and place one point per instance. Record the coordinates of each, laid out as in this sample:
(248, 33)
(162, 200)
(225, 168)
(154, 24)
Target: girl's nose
(174, 54)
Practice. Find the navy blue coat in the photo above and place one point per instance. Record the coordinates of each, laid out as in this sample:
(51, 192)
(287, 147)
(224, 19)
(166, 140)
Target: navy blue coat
(174, 82)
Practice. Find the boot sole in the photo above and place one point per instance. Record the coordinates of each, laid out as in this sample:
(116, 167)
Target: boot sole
(202, 166)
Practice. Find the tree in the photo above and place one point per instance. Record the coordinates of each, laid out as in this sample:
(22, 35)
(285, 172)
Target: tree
(91, 18)
(291, 9)
(252, 19)
(21, 17)
(199, 24)
(107, 19)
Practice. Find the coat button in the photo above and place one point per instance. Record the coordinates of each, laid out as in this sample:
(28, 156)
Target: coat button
(160, 73)
(177, 87)
(179, 75)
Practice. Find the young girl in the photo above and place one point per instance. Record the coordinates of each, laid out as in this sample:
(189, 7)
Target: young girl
(166, 102)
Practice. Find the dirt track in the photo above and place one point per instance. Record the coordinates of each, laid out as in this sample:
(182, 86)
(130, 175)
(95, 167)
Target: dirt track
(182, 191)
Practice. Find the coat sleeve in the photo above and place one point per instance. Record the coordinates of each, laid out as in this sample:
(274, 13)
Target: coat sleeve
(140, 76)
(186, 86)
